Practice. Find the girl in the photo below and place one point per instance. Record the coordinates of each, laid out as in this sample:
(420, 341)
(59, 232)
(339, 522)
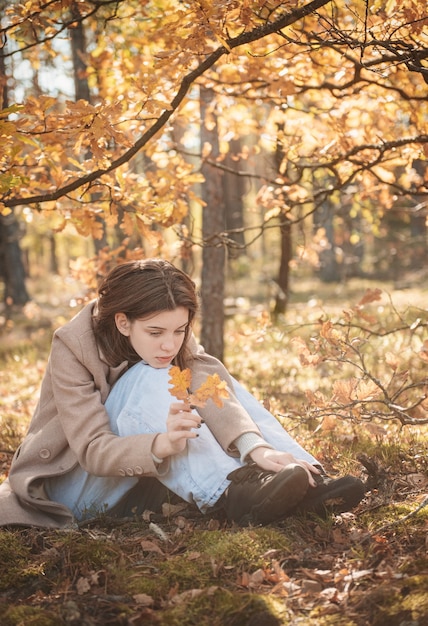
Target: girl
(107, 436)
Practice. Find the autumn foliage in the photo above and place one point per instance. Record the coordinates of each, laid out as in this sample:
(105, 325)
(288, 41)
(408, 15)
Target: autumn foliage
(371, 381)
(335, 92)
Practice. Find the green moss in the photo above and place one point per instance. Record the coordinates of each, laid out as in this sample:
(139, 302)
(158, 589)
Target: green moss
(194, 578)
(88, 555)
(414, 565)
(407, 604)
(15, 558)
(176, 573)
(390, 516)
(317, 618)
(210, 555)
(84, 550)
(218, 607)
(28, 615)
(243, 548)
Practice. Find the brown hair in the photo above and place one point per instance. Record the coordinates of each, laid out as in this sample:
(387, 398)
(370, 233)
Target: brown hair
(140, 289)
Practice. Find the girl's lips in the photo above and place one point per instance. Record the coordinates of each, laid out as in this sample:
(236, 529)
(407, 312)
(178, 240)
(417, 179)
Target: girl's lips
(164, 359)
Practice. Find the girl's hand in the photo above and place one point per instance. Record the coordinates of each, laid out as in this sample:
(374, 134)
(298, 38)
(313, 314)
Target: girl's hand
(274, 461)
(180, 423)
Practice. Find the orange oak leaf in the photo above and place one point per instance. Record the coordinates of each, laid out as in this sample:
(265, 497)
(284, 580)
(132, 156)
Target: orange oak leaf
(371, 295)
(213, 388)
(180, 379)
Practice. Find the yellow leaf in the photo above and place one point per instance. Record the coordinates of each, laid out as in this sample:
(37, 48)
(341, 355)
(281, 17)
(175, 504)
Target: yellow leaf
(128, 223)
(331, 334)
(367, 390)
(344, 391)
(213, 388)
(14, 108)
(305, 355)
(329, 423)
(180, 379)
(4, 210)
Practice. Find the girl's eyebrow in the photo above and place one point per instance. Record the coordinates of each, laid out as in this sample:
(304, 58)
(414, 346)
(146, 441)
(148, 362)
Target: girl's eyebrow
(162, 328)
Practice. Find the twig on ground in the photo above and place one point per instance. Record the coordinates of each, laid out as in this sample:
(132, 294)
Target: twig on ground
(398, 521)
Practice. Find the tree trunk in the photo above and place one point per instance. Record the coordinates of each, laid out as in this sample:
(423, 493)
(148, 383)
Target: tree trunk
(82, 92)
(328, 266)
(234, 190)
(283, 281)
(418, 223)
(11, 264)
(213, 224)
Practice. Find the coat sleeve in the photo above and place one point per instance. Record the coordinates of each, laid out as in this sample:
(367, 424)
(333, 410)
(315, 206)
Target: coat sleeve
(80, 407)
(230, 421)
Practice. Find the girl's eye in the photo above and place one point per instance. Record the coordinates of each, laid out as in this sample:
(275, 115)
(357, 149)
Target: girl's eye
(154, 334)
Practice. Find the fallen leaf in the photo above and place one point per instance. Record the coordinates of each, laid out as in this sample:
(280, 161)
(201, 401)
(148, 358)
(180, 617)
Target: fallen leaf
(185, 596)
(82, 586)
(257, 578)
(417, 480)
(157, 530)
(143, 599)
(311, 586)
(168, 510)
(331, 594)
(150, 546)
(244, 580)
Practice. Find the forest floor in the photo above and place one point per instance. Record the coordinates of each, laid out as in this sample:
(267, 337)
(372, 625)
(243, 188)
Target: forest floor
(365, 567)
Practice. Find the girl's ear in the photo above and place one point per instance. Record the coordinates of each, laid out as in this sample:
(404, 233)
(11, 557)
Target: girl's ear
(123, 324)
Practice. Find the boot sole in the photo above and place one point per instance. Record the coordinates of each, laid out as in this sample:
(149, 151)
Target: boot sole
(340, 497)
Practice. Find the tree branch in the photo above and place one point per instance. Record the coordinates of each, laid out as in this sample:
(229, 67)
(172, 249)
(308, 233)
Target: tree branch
(247, 37)
(64, 25)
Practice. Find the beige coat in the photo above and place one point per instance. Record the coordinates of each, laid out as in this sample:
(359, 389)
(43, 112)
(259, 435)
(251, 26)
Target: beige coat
(70, 426)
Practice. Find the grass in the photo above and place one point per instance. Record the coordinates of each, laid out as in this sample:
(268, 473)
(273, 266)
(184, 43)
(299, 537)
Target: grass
(369, 566)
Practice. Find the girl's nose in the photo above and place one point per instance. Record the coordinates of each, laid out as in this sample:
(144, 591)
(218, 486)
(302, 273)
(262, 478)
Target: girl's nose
(167, 344)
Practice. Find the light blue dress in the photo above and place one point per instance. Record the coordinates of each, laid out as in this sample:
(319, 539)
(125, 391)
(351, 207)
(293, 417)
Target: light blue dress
(139, 403)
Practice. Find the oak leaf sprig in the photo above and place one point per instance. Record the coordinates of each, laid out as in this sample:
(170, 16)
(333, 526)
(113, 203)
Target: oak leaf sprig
(213, 388)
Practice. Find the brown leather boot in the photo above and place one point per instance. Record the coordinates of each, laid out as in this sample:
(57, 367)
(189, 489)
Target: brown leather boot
(256, 496)
(332, 495)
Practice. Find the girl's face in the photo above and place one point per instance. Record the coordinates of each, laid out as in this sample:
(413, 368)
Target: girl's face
(156, 339)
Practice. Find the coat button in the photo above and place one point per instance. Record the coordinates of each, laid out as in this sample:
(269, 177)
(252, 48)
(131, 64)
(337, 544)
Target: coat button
(122, 472)
(129, 471)
(44, 453)
(139, 470)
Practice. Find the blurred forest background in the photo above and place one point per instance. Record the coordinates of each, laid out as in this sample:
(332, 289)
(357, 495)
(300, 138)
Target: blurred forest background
(260, 141)
(277, 152)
